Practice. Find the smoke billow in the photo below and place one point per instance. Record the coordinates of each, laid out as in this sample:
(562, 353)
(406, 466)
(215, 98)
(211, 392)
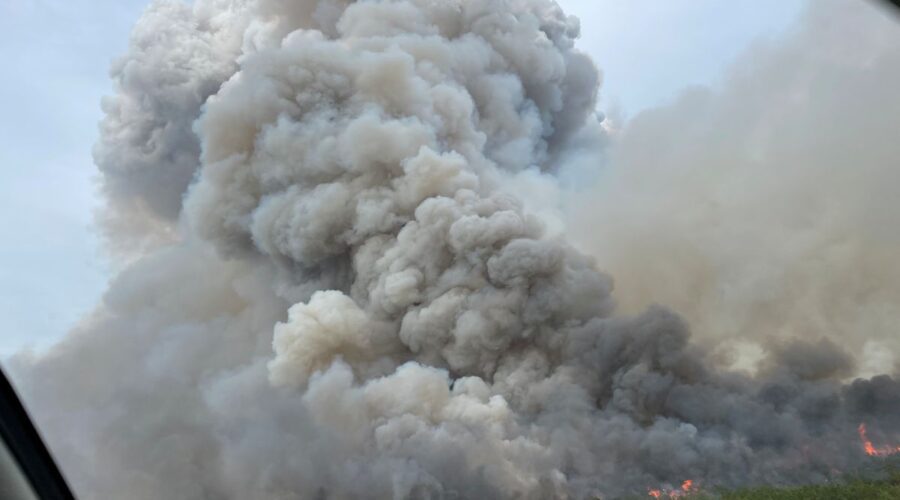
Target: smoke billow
(352, 300)
(766, 208)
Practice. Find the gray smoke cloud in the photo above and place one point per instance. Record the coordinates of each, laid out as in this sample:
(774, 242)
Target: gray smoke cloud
(356, 300)
(766, 208)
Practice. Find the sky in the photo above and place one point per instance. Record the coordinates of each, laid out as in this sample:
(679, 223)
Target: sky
(56, 57)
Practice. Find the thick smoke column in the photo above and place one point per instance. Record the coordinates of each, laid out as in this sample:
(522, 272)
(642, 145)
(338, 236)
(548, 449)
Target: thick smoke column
(354, 304)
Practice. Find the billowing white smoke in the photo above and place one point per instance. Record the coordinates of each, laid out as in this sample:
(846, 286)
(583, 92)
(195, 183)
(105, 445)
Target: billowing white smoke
(351, 206)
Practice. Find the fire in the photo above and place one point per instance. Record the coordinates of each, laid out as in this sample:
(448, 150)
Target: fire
(870, 448)
(686, 487)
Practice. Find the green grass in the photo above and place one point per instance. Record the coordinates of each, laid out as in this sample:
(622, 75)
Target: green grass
(855, 490)
(852, 489)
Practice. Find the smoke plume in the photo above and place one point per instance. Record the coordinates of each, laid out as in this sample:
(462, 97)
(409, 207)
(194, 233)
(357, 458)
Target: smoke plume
(766, 209)
(347, 295)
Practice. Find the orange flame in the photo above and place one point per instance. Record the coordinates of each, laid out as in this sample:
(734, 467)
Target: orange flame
(686, 487)
(870, 448)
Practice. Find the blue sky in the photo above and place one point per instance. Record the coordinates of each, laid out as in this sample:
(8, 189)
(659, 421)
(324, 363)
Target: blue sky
(56, 56)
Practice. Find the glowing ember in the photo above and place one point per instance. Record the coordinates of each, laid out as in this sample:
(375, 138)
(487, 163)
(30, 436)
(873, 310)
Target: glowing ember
(871, 450)
(686, 487)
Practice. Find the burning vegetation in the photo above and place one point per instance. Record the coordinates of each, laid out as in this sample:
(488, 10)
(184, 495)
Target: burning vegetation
(871, 449)
(687, 487)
